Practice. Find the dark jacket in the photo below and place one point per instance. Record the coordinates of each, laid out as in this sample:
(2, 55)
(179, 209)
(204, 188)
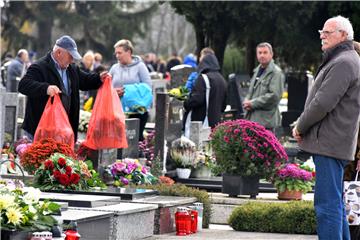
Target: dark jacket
(34, 84)
(217, 99)
(330, 121)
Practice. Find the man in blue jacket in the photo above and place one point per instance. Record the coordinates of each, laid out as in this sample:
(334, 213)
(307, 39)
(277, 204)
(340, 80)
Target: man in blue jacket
(53, 74)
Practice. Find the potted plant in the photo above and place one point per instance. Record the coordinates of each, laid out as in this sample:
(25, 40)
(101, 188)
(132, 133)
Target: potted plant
(183, 153)
(129, 171)
(61, 172)
(204, 163)
(35, 154)
(22, 212)
(292, 180)
(245, 151)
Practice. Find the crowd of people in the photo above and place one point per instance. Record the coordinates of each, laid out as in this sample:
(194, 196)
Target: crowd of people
(328, 127)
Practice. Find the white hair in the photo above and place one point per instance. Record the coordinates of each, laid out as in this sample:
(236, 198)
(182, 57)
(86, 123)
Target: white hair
(344, 24)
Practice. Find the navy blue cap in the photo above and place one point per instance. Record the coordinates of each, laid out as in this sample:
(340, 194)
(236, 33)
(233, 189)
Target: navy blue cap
(69, 44)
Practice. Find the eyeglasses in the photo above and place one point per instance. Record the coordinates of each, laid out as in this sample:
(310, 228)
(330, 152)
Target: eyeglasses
(327, 33)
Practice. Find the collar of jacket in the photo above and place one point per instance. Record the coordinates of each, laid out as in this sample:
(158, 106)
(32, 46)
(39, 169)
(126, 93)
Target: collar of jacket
(332, 52)
(341, 47)
(267, 70)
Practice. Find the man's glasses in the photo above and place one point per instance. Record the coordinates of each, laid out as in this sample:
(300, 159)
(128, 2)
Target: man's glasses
(326, 33)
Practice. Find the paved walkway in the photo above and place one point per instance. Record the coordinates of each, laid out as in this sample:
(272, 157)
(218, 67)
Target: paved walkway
(222, 232)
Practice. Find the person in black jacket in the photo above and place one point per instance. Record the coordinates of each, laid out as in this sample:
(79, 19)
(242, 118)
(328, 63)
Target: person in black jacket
(196, 102)
(53, 74)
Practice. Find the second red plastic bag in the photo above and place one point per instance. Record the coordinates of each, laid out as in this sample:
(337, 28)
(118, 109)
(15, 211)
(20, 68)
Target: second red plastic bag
(54, 123)
(106, 128)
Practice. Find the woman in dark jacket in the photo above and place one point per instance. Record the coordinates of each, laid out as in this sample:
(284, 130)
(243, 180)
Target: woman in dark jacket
(196, 102)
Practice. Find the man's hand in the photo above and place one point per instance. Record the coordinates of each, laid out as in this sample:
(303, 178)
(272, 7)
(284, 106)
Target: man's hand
(120, 91)
(296, 134)
(247, 105)
(103, 75)
(358, 166)
(52, 90)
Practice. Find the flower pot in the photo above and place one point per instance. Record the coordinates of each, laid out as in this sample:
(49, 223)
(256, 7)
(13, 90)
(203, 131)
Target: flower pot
(15, 235)
(238, 185)
(201, 172)
(183, 173)
(290, 195)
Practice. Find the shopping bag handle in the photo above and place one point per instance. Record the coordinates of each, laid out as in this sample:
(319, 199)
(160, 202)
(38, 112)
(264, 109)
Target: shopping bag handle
(356, 176)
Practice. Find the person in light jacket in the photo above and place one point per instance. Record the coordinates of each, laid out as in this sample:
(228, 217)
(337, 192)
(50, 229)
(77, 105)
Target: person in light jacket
(328, 127)
(266, 88)
(129, 70)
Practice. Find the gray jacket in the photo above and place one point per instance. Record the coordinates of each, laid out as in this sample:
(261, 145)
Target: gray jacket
(265, 96)
(135, 72)
(330, 122)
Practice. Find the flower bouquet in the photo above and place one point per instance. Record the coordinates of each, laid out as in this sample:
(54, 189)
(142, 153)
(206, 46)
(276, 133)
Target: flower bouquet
(181, 93)
(246, 148)
(84, 121)
(62, 172)
(38, 152)
(21, 210)
(129, 171)
(294, 177)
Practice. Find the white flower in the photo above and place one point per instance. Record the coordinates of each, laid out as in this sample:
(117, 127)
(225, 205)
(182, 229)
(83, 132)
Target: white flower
(32, 195)
(14, 215)
(6, 200)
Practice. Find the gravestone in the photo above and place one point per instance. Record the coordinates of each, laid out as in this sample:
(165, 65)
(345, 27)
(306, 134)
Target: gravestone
(161, 128)
(158, 86)
(297, 93)
(234, 98)
(8, 116)
(132, 137)
(198, 134)
(21, 114)
(180, 75)
(175, 121)
(297, 90)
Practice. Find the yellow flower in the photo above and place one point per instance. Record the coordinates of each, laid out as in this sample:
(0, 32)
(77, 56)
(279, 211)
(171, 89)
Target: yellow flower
(6, 201)
(14, 215)
(88, 104)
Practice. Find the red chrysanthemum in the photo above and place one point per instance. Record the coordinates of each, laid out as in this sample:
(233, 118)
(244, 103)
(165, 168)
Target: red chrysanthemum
(68, 170)
(64, 179)
(74, 178)
(49, 165)
(57, 174)
(62, 162)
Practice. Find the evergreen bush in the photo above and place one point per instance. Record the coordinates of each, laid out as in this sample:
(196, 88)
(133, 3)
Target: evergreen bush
(295, 217)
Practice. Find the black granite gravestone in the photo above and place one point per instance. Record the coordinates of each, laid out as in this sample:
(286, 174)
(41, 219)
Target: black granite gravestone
(132, 137)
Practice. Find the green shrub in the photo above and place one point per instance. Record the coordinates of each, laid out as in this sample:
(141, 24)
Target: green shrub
(291, 217)
(184, 191)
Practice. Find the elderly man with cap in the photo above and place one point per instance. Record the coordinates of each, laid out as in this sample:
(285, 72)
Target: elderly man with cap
(53, 74)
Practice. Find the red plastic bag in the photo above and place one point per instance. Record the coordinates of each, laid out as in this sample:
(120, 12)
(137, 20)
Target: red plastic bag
(106, 127)
(54, 123)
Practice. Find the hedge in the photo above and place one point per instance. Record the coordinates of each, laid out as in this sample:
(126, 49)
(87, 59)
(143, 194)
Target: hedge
(295, 217)
(184, 191)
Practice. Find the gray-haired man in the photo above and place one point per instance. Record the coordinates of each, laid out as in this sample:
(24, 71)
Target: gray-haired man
(329, 125)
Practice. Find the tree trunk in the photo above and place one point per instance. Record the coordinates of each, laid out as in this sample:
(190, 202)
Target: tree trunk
(219, 43)
(250, 55)
(44, 36)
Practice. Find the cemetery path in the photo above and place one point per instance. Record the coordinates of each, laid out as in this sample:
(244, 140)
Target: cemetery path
(222, 232)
